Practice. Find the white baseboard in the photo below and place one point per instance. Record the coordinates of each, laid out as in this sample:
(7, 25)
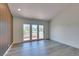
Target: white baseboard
(8, 50)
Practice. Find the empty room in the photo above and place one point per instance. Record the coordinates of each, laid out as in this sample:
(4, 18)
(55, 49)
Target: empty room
(39, 29)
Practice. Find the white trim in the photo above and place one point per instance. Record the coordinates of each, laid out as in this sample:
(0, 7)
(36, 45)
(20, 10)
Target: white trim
(8, 50)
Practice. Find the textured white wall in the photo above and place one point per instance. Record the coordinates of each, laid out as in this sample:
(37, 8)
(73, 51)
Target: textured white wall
(64, 27)
(18, 28)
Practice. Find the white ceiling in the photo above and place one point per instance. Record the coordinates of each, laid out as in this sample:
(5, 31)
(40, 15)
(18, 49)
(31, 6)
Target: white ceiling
(43, 11)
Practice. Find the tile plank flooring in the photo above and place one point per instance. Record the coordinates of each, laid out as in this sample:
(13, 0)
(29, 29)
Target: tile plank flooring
(42, 48)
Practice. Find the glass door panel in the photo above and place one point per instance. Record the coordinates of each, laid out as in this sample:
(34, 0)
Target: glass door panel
(34, 32)
(41, 32)
(26, 30)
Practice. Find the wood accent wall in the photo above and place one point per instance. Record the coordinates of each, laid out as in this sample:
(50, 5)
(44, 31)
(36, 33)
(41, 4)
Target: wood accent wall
(6, 28)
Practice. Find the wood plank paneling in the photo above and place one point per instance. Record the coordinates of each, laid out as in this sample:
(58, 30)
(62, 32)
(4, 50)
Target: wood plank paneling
(5, 28)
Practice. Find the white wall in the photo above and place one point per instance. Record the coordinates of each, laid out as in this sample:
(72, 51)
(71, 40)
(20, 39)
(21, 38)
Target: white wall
(18, 28)
(64, 27)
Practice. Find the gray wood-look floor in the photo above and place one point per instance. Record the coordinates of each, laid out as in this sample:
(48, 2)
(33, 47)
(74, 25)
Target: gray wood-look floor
(42, 48)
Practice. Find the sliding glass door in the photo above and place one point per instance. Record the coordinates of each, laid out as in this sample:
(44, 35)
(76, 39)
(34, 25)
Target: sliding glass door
(33, 32)
(26, 32)
(41, 32)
